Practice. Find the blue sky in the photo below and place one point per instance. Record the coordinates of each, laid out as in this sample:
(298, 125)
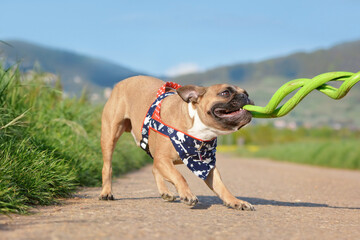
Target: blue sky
(173, 37)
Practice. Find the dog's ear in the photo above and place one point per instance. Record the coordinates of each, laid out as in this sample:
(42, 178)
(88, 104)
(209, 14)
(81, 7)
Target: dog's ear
(191, 93)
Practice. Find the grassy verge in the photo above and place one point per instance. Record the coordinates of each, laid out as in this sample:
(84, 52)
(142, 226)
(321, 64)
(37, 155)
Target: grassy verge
(49, 144)
(329, 153)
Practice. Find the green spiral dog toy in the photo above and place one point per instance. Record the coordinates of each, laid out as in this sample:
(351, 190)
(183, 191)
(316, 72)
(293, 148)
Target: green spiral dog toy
(307, 85)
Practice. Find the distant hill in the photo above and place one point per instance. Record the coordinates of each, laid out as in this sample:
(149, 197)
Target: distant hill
(75, 70)
(263, 78)
(342, 57)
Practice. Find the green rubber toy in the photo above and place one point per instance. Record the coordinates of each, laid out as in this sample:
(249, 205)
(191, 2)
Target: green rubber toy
(307, 85)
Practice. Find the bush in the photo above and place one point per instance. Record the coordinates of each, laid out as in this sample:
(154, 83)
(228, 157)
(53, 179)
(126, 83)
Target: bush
(49, 144)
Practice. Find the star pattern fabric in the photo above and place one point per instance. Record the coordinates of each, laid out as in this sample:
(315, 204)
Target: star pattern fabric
(198, 155)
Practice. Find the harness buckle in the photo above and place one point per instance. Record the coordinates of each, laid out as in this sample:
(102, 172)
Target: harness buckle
(145, 146)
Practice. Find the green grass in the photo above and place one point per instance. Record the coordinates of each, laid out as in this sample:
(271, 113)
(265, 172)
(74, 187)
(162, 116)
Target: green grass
(49, 144)
(329, 153)
(323, 146)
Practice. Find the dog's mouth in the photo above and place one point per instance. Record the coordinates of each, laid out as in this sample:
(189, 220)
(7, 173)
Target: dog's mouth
(228, 113)
(231, 115)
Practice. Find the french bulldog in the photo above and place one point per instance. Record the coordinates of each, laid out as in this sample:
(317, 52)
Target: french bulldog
(202, 112)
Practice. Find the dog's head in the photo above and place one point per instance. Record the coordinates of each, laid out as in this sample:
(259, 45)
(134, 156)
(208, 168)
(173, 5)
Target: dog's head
(218, 106)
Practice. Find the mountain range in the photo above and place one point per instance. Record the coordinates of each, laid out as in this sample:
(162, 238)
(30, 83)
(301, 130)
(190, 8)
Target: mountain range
(341, 57)
(261, 79)
(75, 70)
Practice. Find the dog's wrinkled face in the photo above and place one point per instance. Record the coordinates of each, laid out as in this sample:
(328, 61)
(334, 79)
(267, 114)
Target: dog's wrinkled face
(219, 106)
(224, 104)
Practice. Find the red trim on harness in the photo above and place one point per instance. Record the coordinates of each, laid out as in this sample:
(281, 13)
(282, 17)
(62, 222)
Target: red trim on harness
(161, 91)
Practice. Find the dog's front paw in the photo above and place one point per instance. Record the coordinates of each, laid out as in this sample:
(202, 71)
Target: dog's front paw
(168, 197)
(189, 199)
(108, 196)
(240, 205)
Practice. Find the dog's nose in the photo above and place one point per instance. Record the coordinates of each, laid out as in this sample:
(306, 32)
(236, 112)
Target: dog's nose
(245, 100)
(239, 100)
(245, 97)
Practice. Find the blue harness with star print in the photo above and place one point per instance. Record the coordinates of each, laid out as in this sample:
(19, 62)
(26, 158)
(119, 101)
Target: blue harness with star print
(197, 155)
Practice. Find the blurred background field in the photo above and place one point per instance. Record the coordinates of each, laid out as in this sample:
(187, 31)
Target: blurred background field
(322, 146)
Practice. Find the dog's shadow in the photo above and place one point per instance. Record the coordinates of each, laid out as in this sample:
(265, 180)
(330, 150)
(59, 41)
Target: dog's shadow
(212, 200)
(206, 202)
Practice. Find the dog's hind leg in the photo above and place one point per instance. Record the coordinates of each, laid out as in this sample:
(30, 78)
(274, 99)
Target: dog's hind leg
(112, 127)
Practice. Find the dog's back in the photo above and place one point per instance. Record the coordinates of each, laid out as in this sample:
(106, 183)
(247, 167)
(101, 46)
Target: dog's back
(123, 102)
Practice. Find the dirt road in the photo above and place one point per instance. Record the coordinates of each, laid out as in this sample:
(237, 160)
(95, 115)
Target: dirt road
(292, 202)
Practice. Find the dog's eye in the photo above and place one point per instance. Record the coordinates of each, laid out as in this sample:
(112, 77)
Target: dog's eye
(225, 93)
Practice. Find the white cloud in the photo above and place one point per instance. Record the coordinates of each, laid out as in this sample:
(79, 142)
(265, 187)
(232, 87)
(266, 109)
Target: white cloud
(183, 68)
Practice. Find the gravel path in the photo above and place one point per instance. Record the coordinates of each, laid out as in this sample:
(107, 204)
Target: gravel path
(292, 202)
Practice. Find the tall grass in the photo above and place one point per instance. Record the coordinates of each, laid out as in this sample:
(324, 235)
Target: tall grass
(49, 144)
